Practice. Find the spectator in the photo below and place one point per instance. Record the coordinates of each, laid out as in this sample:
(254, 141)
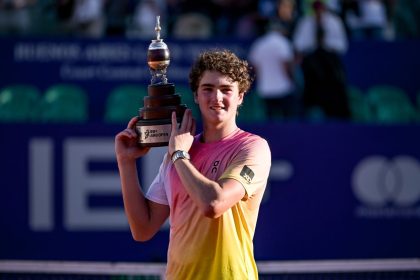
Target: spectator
(231, 16)
(192, 26)
(370, 22)
(15, 17)
(406, 19)
(286, 12)
(64, 9)
(349, 14)
(334, 37)
(272, 57)
(144, 19)
(117, 13)
(321, 39)
(88, 18)
(373, 18)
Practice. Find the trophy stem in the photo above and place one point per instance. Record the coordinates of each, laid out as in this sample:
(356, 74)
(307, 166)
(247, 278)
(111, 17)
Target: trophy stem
(157, 28)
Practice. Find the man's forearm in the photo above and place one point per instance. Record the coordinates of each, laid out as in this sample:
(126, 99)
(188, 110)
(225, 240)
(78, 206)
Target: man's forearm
(212, 198)
(135, 204)
(201, 189)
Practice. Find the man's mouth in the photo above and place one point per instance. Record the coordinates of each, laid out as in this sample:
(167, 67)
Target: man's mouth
(217, 108)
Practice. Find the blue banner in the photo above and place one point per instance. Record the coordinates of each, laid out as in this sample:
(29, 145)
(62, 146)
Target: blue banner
(98, 66)
(336, 191)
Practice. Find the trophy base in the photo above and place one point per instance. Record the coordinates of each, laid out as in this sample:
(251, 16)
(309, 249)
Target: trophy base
(154, 133)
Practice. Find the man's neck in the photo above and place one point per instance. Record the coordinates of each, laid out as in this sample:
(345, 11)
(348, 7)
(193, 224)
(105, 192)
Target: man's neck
(213, 134)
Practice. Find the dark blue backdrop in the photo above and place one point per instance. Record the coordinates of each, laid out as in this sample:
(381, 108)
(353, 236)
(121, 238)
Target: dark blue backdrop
(336, 190)
(320, 203)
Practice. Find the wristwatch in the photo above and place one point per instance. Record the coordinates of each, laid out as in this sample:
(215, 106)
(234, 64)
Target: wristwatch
(180, 154)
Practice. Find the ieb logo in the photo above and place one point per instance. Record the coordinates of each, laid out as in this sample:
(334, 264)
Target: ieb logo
(379, 182)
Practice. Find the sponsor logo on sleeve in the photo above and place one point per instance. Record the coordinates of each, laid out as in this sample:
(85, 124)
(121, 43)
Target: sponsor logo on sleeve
(247, 174)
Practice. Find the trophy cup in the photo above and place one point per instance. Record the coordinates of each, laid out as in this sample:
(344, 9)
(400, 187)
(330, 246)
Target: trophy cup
(154, 125)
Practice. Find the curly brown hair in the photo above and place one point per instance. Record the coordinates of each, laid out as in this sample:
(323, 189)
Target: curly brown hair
(225, 62)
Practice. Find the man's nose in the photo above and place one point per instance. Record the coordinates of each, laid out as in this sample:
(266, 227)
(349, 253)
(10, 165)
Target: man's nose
(218, 95)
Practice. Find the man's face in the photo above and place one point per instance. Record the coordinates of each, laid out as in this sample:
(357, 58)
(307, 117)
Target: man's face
(218, 98)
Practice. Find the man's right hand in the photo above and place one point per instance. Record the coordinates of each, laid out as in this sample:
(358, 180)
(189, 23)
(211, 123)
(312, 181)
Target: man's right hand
(126, 147)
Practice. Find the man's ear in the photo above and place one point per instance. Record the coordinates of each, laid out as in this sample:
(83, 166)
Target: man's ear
(241, 98)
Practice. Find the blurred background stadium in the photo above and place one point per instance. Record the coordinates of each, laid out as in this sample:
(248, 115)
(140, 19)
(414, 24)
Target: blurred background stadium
(343, 199)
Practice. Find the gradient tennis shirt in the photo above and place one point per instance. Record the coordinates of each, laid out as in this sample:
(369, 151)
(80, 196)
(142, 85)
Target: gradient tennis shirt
(222, 248)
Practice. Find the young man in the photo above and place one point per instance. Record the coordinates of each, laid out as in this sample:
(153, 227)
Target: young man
(210, 185)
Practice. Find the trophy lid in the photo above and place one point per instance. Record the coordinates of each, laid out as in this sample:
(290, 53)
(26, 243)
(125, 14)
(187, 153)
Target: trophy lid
(158, 56)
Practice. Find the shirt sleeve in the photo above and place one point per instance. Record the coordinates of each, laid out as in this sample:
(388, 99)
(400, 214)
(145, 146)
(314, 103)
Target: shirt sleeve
(251, 166)
(156, 191)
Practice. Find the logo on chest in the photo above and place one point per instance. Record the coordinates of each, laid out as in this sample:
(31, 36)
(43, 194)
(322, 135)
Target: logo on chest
(215, 166)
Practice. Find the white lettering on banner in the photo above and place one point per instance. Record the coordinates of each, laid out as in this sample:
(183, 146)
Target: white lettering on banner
(79, 184)
(47, 51)
(387, 188)
(104, 73)
(117, 52)
(107, 60)
(122, 72)
(41, 193)
(69, 72)
(107, 52)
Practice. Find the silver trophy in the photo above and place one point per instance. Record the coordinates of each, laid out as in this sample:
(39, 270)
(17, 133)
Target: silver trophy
(154, 124)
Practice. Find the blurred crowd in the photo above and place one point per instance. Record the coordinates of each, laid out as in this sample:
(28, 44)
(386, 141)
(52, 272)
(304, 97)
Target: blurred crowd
(379, 19)
(296, 46)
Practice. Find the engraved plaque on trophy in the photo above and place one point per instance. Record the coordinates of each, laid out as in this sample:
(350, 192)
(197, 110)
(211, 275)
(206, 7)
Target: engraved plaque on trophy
(154, 124)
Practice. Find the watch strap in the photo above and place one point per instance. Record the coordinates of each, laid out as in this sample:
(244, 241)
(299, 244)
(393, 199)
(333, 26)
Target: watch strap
(179, 154)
